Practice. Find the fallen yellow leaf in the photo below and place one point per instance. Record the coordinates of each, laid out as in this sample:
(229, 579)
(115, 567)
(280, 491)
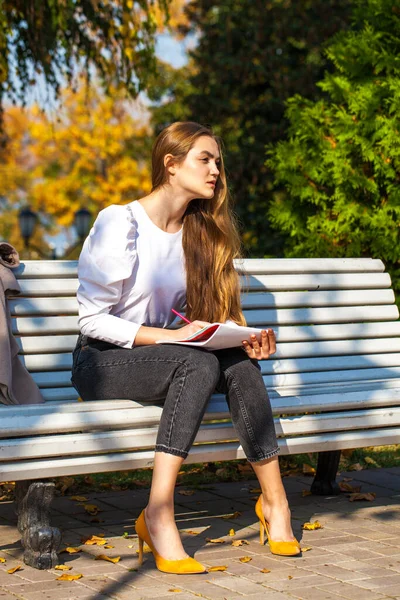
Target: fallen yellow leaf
(66, 577)
(215, 541)
(79, 498)
(71, 550)
(62, 568)
(64, 483)
(108, 546)
(306, 548)
(255, 490)
(11, 571)
(265, 571)
(231, 532)
(239, 542)
(308, 470)
(369, 496)
(186, 492)
(305, 493)
(245, 559)
(234, 515)
(94, 540)
(108, 558)
(346, 487)
(290, 576)
(2, 560)
(176, 590)
(371, 461)
(191, 532)
(355, 467)
(311, 526)
(92, 509)
(219, 568)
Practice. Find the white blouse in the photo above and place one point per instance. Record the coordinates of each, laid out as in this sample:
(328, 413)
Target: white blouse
(131, 273)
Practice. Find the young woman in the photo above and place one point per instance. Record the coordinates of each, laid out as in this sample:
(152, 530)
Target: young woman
(174, 249)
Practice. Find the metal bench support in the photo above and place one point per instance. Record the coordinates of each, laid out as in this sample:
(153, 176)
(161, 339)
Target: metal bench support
(324, 483)
(39, 539)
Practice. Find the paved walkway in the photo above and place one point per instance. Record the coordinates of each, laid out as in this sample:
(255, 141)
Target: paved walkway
(355, 556)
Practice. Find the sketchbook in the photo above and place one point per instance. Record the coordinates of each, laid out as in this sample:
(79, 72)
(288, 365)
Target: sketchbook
(217, 336)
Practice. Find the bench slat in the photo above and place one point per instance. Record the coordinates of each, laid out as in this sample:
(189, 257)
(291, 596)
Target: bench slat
(47, 306)
(66, 343)
(46, 420)
(311, 299)
(290, 400)
(67, 268)
(330, 281)
(327, 378)
(256, 300)
(128, 440)
(316, 282)
(69, 324)
(48, 287)
(63, 362)
(69, 394)
(310, 265)
(120, 461)
(331, 314)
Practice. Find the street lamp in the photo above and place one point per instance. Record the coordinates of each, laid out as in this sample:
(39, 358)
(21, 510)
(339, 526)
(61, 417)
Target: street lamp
(27, 221)
(82, 220)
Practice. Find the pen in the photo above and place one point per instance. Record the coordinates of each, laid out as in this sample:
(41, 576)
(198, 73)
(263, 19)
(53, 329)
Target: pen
(181, 316)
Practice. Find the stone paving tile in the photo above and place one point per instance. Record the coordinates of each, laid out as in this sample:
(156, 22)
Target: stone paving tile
(350, 591)
(312, 593)
(379, 583)
(290, 584)
(391, 592)
(4, 595)
(339, 572)
(73, 594)
(237, 585)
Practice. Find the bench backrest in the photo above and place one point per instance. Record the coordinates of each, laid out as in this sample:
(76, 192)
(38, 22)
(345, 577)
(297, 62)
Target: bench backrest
(336, 323)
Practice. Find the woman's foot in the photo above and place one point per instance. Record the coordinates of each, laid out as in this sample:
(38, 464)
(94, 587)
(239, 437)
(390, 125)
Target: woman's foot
(278, 518)
(164, 533)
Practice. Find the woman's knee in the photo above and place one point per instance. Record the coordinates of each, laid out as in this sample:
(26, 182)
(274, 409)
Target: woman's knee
(206, 366)
(243, 367)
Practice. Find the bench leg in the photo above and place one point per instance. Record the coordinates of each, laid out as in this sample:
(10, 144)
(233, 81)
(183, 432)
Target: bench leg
(324, 483)
(39, 539)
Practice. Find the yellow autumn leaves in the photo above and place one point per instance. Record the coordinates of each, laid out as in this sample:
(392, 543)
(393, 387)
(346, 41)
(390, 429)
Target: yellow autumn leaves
(95, 153)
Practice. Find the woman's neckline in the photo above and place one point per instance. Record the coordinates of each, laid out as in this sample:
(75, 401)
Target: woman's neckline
(143, 210)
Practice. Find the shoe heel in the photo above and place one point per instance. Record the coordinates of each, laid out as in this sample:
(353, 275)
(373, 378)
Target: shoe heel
(140, 551)
(261, 534)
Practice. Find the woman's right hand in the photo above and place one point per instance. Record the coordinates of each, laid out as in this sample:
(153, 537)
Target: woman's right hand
(187, 330)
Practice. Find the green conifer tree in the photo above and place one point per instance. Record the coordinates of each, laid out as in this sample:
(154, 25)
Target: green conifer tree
(341, 162)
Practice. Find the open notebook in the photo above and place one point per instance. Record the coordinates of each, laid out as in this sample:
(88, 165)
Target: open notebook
(217, 336)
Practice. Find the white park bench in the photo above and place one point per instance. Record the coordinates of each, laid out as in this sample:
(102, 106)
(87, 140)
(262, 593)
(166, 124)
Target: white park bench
(333, 382)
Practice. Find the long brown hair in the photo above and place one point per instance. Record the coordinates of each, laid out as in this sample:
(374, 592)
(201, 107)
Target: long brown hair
(210, 237)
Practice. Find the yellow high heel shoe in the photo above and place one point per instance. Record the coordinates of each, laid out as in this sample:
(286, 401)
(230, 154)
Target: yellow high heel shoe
(183, 566)
(291, 548)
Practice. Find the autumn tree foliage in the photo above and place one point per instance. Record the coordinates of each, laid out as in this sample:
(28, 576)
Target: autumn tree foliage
(340, 164)
(59, 38)
(94, 154)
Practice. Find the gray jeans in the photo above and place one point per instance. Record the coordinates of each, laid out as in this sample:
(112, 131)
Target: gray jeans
(183, 379)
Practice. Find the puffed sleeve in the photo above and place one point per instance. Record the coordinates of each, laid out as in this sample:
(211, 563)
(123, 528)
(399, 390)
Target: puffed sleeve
(108, 257)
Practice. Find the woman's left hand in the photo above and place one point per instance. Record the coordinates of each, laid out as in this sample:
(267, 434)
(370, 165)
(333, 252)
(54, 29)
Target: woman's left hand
(261, 348)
